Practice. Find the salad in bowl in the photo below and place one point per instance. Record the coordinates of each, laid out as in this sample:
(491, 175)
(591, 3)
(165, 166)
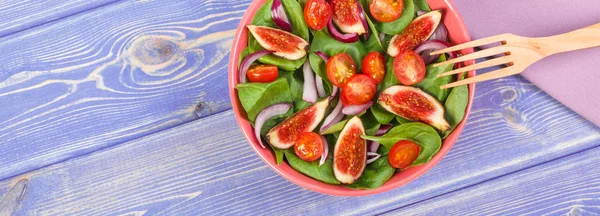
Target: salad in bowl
(341, 96)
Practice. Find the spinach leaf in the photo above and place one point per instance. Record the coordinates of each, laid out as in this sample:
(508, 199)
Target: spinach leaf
(296, 82)
(390, 78)
(381, 115)
(319, 67)
(432, 83)
(375, 175)
(247, 51)
(279, 154)
(421, 5)
(370, 123)
(322, 173)
(456, 106)
(257, 96)
(326, 44)
(299, 27)
(402, 120)
(422, 134)
(337, 127)
(373, 43)
(395, 27)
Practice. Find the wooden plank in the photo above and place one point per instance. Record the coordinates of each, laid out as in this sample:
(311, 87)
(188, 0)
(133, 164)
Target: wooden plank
(568, 186)
(19, 15)
(111, 75)
(206, 167)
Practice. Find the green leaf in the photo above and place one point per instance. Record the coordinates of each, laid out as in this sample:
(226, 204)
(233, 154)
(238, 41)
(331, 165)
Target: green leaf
(326, 44)
(421, 5)
(373, 43)
(299, 27)
(279, 154)
(395, 27)
(422, 134)
(381, 115)
(375, 175)
(402, 120)
(257, 96)
(370, 123)
(432, 83)
(390, 78)
(319, 67)
(337, 127)
(455, 106)
(247, 51)
(322, 173)
(296, 82)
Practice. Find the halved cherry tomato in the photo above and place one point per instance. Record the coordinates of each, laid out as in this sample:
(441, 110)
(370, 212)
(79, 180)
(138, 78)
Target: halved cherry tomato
(360, 89)
(386, 10)
(403, 154)
(317, 14)
(340, 67)
(263, 73)
(309, 146)
(345, 101)
(409, 68)
(374, 65)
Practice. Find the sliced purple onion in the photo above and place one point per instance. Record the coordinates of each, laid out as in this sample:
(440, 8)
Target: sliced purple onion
(322, 55)
(356, 109)
(266, 114)
(346, 38)
(373, 158)
(421, 12)
(309, 90)
(279, 16)
(427, 47)
(362, 16)
(334, 91)
(372, 145)
(334, 117)
(248, 61)
(381, 37)
(440, 33)
(320, 87)
(325, 151)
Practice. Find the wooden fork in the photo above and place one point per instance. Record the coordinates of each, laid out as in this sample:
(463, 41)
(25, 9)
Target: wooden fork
(519, 52)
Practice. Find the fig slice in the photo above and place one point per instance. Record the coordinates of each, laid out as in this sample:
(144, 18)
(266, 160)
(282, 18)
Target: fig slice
(417, 32)
(415, 105)
(346, 15)
(350, 153)
(285, 134)
(282, 43)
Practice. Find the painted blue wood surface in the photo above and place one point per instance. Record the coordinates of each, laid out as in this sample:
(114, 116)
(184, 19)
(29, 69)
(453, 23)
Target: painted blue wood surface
(206, 167)
(18, 15)
(110, 75)
(67, 92)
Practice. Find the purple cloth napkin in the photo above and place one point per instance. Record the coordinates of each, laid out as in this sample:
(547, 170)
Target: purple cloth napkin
(572, 78)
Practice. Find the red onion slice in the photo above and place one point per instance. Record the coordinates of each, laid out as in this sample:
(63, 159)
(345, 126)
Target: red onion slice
(363, 19)
(421, 12)
(346, 38)
(356, 109)
(279, 16)
(373, 158)
(427, 47)
(248, 61)
(382, 37)
(322, 55)
(320, 87)
(440, 33)
(334, 117)
(383, 129)
(334, 91)
(325, 151)
(309, 90)
(266, 114)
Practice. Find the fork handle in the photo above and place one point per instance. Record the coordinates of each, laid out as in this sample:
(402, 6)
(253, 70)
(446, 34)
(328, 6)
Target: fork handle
(579, 39)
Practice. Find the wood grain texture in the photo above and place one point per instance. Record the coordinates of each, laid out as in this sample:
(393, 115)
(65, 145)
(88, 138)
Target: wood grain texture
(567, 186)
(110, 75)
(19, 15)
(206, 167)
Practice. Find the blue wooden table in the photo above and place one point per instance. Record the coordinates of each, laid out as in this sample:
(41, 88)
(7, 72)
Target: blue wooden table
(121, 108)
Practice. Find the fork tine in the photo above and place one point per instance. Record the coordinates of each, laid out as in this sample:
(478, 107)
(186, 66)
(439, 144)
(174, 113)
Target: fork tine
(475, 55)
(507, 71)
(484, 64)
(475, 43)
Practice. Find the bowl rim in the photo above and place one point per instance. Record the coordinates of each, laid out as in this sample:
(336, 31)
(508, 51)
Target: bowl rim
(458, 34)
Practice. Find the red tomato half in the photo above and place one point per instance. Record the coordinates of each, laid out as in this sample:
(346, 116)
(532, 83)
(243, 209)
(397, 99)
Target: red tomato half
(409, 68)
(374, 65)
(317, 14)
(263, 73)
(403, 154)
(360, 89)
(386, 10)
(309, 146)
(340, 68)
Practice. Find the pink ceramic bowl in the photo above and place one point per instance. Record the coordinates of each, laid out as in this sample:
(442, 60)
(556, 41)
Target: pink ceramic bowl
(458, 34)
